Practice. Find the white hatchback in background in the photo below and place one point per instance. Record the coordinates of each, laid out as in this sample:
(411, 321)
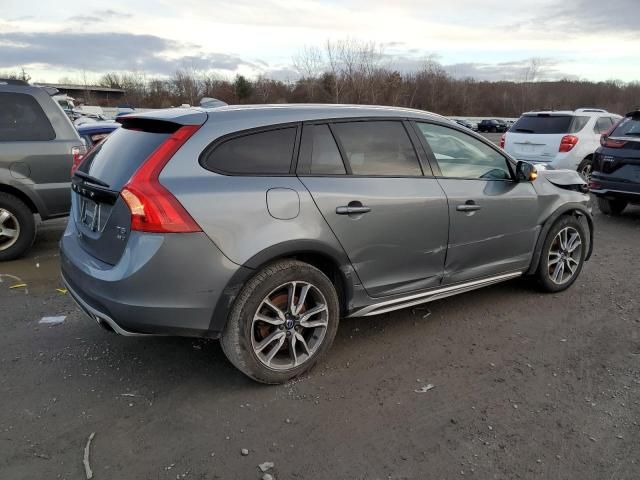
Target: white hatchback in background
(559, 139)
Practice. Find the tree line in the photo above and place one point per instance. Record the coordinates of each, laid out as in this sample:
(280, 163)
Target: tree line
(349, 71)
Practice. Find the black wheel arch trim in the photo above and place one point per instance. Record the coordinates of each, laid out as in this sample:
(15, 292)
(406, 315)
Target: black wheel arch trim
(577, 208)
(293, 248)
(26, 194)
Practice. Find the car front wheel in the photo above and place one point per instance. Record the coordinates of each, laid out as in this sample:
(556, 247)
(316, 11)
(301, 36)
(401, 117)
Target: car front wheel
(563, 255)
(17, 227)
(282, 322)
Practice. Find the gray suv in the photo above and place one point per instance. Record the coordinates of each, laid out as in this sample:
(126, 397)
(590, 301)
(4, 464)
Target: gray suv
(264, 225)
(38, 146)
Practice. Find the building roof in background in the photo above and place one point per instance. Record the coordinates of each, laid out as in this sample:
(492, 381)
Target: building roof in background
(80, 88)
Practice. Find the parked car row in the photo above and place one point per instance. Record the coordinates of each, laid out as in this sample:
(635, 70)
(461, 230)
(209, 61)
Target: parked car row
(493, 126)
(559, 139)
(603, 147)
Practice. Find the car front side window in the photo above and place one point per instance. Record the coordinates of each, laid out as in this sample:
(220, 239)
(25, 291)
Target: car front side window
(461, 156)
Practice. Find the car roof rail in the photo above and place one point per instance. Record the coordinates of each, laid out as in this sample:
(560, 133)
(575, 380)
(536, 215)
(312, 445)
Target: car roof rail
(13, 81)
(590, 110)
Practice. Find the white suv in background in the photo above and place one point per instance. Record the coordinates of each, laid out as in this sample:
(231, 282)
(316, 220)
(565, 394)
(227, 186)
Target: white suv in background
(559, 139)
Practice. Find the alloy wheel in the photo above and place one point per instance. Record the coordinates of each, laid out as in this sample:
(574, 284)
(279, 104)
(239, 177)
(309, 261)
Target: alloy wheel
(565, 255)
(289, 325)
(585, 171)
(9, 229)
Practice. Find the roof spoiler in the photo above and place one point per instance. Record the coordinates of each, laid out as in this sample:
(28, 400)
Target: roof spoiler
(209, 102)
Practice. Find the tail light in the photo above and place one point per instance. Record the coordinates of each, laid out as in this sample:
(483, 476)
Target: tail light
(153, 208)
(567, 143)
(502, 140)
(77, 153)
(605, 141)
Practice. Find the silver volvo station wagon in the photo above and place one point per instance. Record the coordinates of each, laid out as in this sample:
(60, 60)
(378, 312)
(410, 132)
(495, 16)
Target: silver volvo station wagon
(264, 225)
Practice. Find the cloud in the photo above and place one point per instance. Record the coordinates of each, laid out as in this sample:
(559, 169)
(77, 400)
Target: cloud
(101, 52)
(546, 69)
(100, 16)
(588, 17)
(518, 70)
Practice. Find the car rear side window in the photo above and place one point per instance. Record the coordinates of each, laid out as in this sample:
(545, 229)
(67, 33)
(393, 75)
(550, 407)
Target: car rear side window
(262, 153)
(603, 124)
(325, 156)
(549, 124)
(23, 120)
(378, 148)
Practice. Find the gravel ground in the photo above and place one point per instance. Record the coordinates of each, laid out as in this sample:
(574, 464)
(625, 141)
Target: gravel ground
(526, 385)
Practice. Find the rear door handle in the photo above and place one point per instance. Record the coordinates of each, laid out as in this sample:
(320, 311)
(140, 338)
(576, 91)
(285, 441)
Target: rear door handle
(354, 208)
(469, 206)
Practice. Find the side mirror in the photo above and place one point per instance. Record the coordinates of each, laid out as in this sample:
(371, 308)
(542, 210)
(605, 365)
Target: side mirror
(525, 172)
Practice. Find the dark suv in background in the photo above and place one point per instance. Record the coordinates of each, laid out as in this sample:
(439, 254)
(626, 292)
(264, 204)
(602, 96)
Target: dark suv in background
(616, 166)
(38, 147)
(493, 126)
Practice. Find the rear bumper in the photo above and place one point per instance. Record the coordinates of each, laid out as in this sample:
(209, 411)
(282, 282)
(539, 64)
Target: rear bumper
(163, 284)
(629, 191)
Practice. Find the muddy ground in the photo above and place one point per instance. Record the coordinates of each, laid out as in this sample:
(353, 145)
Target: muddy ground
(526, 386)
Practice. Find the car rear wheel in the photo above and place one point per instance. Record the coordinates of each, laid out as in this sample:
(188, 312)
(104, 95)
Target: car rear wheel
(282, 322)
(17, 227)
(562, 256)
(611, 207)
(584, 169)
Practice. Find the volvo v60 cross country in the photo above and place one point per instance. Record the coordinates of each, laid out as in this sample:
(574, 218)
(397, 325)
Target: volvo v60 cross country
(264, 225)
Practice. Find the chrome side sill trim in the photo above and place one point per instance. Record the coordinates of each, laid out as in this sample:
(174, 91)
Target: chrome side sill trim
(99, 316)
(424, 297)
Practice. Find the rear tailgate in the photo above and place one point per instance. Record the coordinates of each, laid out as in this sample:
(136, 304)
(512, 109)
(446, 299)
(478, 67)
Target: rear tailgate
(532, 147)
(536, 137)
(101, 216)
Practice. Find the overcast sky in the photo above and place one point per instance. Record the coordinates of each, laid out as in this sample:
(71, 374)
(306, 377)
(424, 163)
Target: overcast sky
(485, 39)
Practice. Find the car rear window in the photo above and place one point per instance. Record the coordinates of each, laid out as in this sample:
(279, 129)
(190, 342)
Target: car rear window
(119, 156)
(549, 124)
(629, 127)
(23, 120)
(262, 153)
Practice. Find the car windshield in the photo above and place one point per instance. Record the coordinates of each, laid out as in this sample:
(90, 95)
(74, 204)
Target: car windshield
(629, 126)
(549, 124)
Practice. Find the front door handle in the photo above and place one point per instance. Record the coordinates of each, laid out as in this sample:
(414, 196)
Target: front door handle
(469, 206)
(354, 208)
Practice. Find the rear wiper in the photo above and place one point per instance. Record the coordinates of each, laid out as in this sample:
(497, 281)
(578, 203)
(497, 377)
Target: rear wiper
(633, 134)
(525, 130)
(88, 178)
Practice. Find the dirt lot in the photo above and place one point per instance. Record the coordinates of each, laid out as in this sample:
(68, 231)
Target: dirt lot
(526, 386)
